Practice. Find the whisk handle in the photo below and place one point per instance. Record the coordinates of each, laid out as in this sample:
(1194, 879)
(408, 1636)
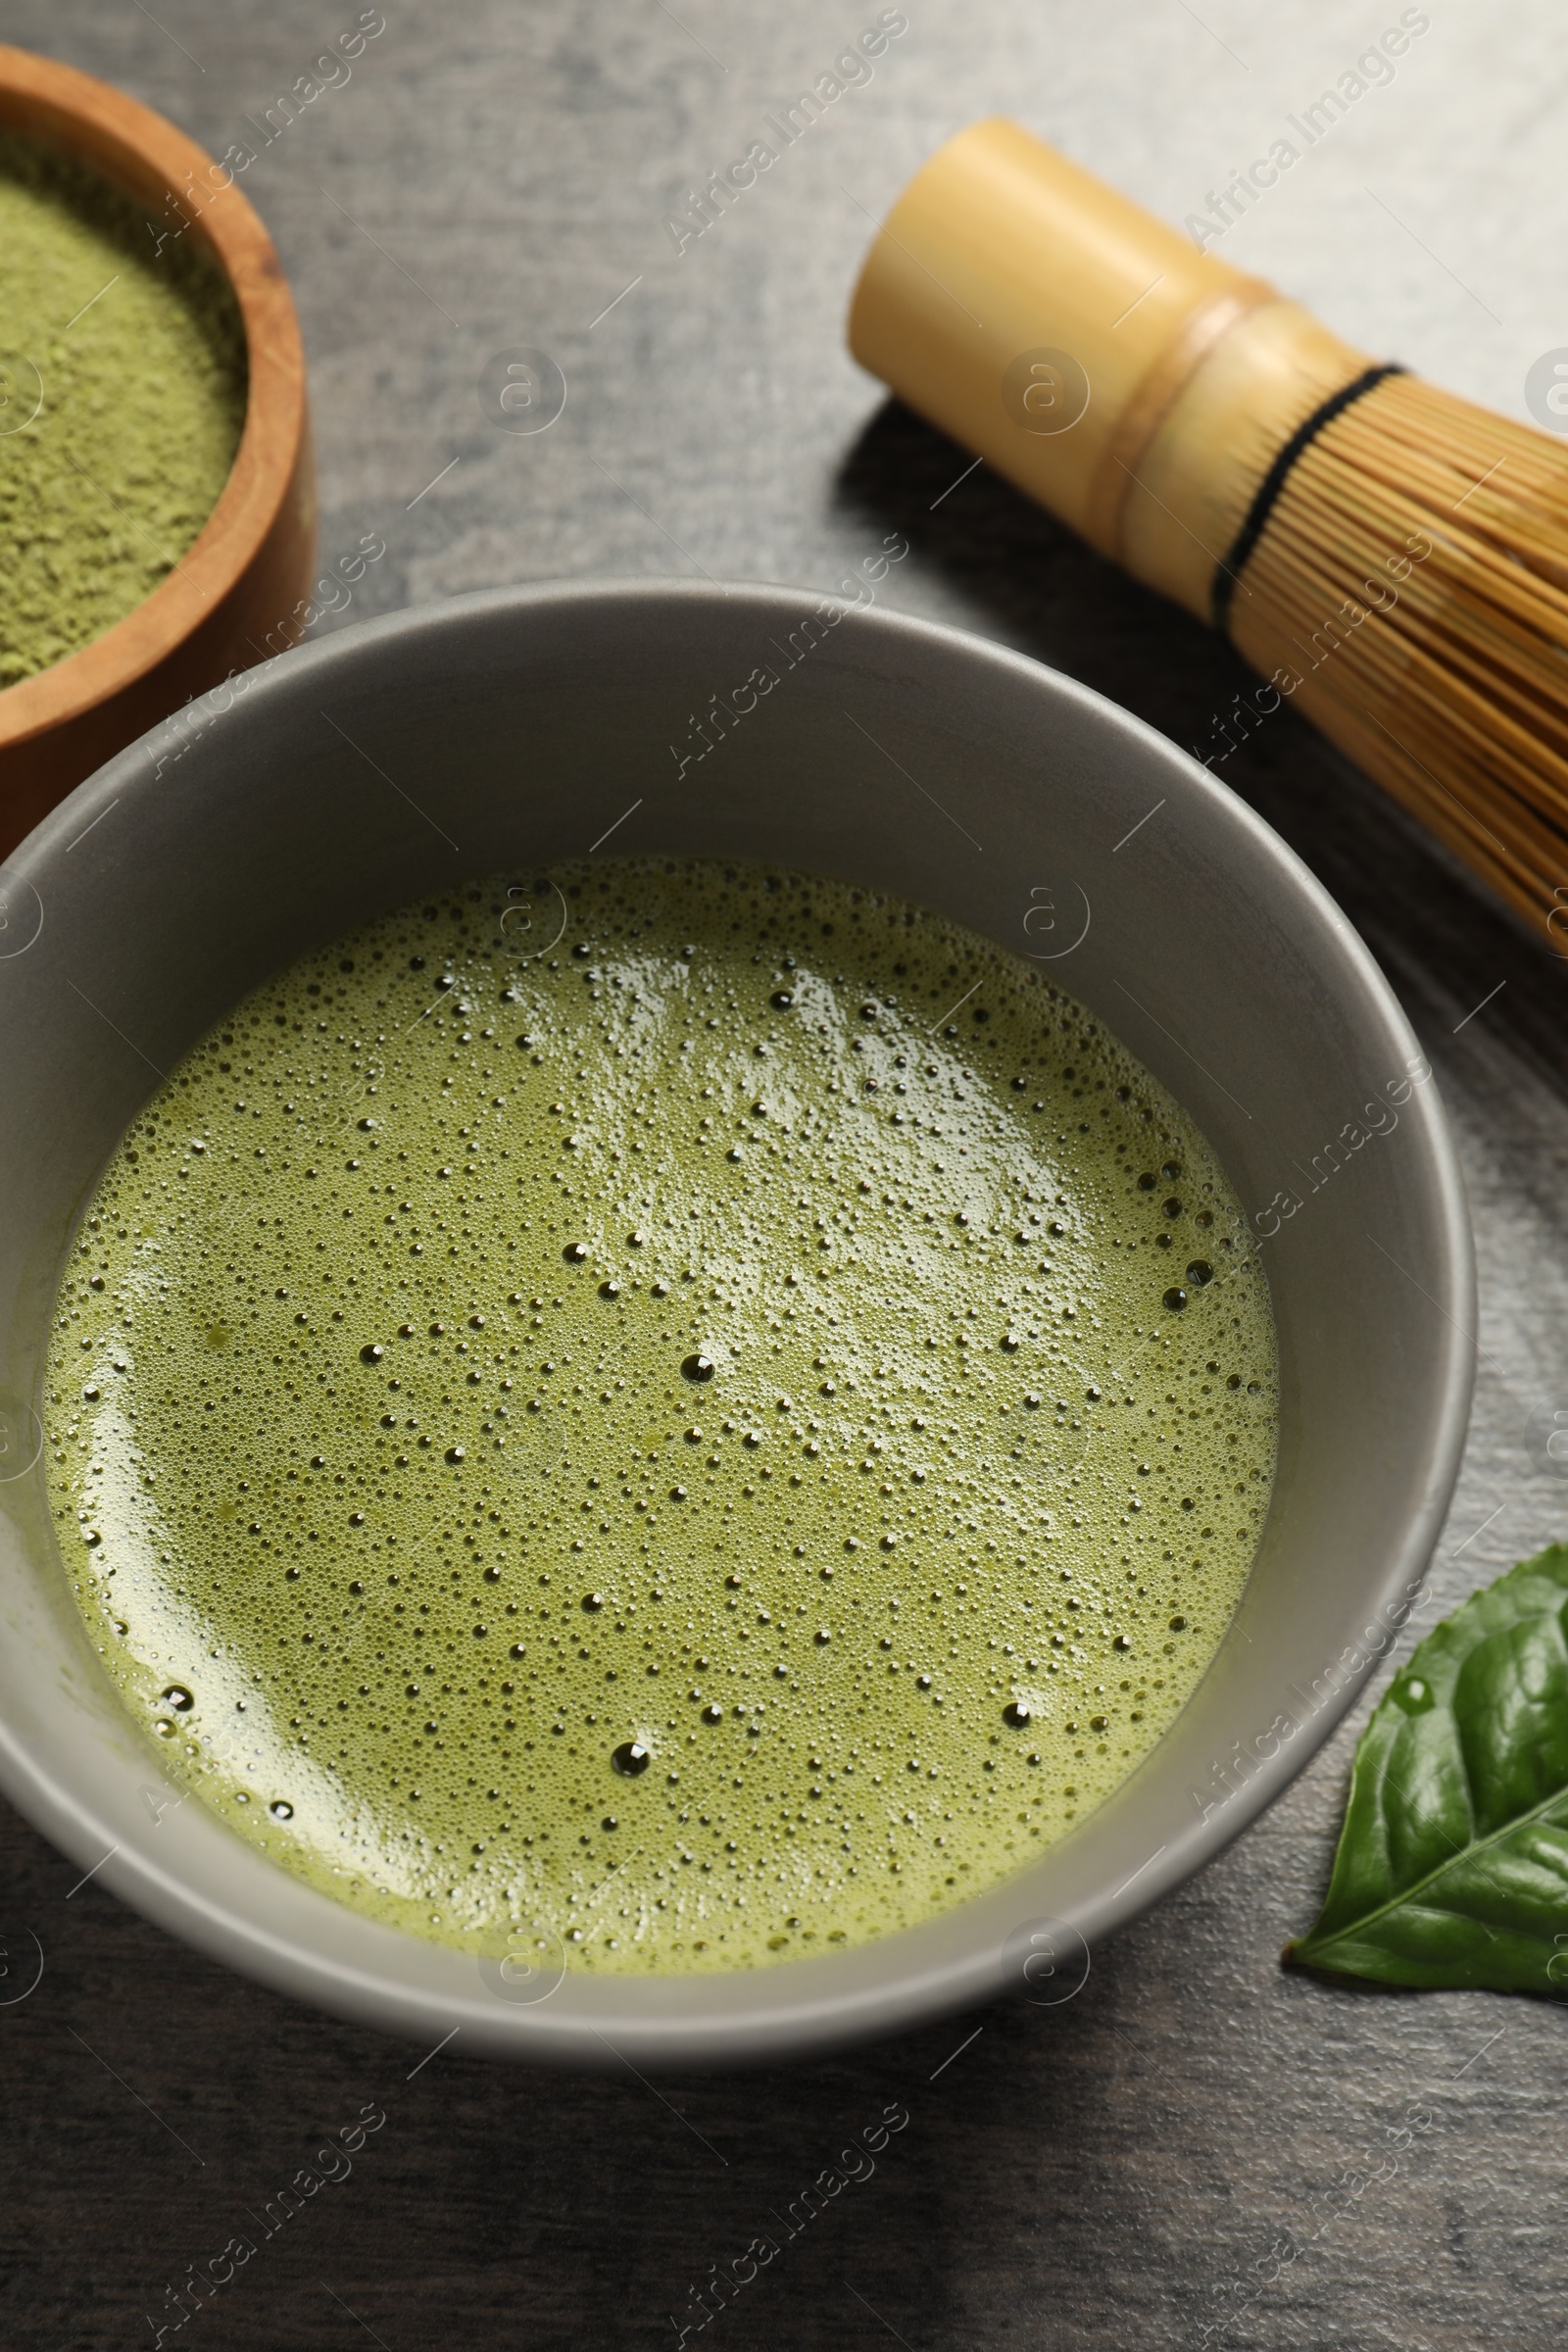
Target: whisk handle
(1137, 387)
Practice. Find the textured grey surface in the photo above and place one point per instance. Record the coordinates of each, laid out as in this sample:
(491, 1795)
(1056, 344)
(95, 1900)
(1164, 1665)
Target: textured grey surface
(1200, 2148)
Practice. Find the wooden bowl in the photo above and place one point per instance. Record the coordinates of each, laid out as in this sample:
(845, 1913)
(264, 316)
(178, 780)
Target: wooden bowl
(238, 591)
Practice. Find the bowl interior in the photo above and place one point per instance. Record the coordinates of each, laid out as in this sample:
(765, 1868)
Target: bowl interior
(768, 724)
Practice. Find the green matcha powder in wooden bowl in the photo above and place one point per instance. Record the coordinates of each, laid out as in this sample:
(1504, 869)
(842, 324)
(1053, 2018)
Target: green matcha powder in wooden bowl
(123, 384)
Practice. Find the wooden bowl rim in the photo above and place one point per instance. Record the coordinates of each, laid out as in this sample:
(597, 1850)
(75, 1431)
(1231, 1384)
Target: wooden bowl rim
(147, 157)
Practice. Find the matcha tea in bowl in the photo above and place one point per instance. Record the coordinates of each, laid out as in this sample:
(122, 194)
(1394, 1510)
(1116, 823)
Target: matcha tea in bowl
(778, 1441)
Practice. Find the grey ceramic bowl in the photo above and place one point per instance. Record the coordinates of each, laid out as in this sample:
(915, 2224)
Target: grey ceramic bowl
(530, 725)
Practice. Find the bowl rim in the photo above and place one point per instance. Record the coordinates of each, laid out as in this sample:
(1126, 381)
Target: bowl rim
(149, 159)
(810, 2004)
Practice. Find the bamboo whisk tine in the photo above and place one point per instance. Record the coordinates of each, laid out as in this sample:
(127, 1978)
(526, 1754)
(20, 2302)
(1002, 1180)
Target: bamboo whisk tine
(1456, 701)
(1392, 560)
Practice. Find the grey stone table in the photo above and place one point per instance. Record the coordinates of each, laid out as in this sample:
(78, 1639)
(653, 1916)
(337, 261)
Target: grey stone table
(1200, 2148)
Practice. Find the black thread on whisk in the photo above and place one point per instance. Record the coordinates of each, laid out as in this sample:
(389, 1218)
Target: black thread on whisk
(1231, 566)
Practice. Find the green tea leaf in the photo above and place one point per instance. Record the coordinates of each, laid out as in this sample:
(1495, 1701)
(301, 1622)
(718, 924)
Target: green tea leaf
(1453, 1865)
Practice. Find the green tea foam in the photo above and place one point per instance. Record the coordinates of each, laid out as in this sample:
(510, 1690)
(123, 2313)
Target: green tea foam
(718, 1434)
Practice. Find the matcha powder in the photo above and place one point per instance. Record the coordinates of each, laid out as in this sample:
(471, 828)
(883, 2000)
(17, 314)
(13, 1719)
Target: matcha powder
(121, 398)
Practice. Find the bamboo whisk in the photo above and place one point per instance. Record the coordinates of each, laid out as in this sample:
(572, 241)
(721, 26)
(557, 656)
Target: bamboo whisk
(1392, 560)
